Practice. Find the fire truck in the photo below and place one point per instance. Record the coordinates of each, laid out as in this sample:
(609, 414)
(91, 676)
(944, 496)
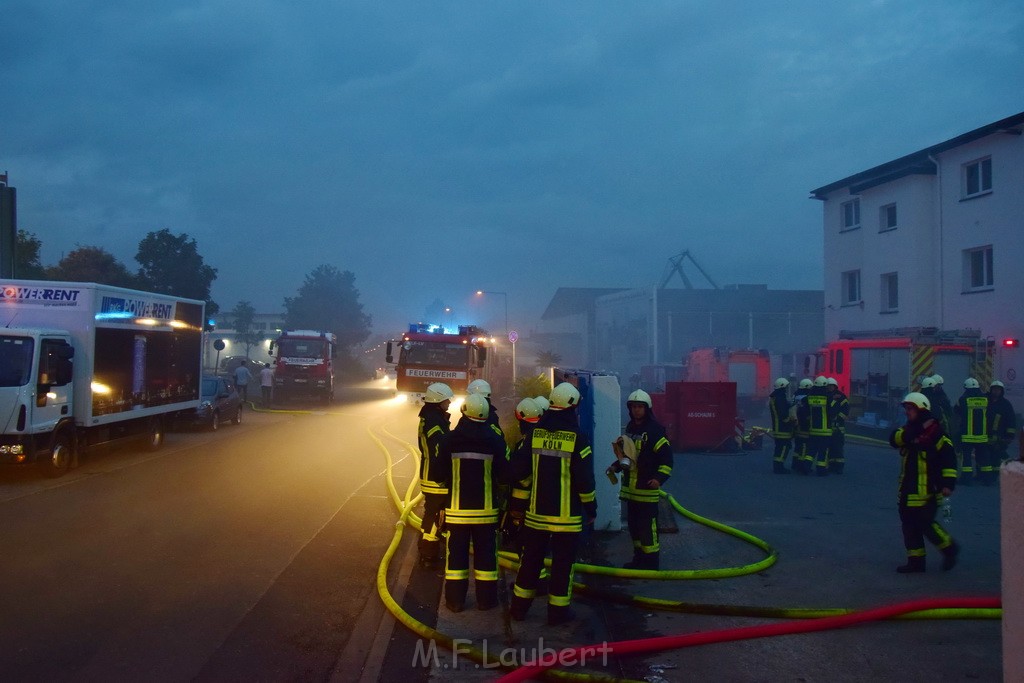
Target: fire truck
(304, 365)
(749, 369)
(431, 353)
(876, 369)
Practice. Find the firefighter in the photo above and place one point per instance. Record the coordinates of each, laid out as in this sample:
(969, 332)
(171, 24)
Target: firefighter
(927, 475)
(942, 409)
(528, 413)
(839, 410)
(435, 469)
(643, 477)
(482, 387)
(819, 427)
(782, 425)
(972, 418)
(554, 466)
(1002, 430)
(479, 457)
(542, 402)
(802, 462)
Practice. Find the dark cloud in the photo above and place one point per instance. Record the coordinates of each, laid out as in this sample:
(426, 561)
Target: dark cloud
(519, 147)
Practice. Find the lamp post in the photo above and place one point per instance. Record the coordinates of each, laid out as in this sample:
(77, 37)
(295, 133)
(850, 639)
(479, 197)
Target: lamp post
(481, 292)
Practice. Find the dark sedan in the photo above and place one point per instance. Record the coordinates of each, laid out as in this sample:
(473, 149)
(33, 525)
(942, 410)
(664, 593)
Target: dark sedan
(219, 401)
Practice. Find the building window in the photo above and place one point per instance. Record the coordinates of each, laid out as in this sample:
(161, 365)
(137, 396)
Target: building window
(890, 292)
(978, 269)
(978, 177)
(887, 218)
(851, 214)
(851, 287)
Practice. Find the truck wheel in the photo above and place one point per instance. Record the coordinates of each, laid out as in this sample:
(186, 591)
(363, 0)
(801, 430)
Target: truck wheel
(60, 459)
(215, 421)
(238, 417)
(155, 435)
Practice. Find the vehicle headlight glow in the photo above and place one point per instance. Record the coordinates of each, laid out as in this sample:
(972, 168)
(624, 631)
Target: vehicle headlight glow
(100, 388)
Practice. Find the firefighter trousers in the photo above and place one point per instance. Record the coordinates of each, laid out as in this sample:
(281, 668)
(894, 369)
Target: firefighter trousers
(801, 461)
(836, 451)
(536, 544)
(430, 529)
(484, 539)
(783, 445)
(974, 458)
(642, 518)
(817, 453)
(918, 524)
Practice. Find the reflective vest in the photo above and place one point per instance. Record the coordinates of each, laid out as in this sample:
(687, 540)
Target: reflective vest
(435, 456)
(924, 471)
(653, 461)
(817, 403)
(478, 458)
(779, 407)
(974, 424)
(558, 481)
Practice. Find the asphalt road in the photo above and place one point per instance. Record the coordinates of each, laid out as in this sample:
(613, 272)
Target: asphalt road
(245, 554)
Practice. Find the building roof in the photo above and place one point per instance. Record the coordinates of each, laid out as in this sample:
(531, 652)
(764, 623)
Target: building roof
(572, 300)
(917, 163)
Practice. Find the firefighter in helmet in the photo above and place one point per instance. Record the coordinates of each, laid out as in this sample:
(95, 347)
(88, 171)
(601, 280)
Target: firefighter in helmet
(479, 457)
(644, 458)
(1002, 430)
(555, 467)
(927, 475)
(972, 416)
(528, 414)
(819, 420)
(802, 461)
(779, 407)
(435, 468)
(839, 409)
(483, 388)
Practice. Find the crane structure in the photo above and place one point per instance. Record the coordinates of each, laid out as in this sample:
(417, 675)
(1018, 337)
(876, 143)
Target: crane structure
(675, 266)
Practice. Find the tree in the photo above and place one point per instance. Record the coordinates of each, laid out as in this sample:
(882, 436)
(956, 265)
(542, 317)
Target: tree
(171, 264)
(243, 314)
(91, 264)
(328, 300)
(548, 359)
(27, 262)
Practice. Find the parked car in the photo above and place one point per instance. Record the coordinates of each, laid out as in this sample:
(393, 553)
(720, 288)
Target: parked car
(219, 401)
(228, 365)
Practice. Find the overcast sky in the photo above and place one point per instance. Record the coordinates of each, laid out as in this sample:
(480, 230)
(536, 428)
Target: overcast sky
(436, 148)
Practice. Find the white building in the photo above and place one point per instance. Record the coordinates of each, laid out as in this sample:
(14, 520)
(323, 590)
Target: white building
(933, 239)
(267, 325)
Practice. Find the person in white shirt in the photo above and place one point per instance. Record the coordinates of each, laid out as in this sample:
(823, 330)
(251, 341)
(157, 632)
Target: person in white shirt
(267, 383)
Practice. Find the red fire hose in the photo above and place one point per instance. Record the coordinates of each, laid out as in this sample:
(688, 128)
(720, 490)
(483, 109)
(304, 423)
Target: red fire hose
(626, 647)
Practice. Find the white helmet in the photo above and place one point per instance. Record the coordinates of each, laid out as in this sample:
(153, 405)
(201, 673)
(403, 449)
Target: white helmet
(564, 396)
(640, 396)
(917, 399)
(479, 386)
(820, 381)
(528, 410)
(971, 383)
(781, 383)
(832, 382)
(806, 383)
(438, 392)
(997, 383)
(476, 407)
(928, 383)
(542, 402)
(938, 380)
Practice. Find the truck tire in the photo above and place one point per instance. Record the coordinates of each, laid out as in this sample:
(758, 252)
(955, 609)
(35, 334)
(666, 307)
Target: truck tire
(60, 458)
(155, 434)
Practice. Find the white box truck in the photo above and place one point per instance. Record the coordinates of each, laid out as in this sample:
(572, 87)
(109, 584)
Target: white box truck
(83, 364)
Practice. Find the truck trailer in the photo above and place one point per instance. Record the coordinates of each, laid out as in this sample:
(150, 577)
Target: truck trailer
(83, 364)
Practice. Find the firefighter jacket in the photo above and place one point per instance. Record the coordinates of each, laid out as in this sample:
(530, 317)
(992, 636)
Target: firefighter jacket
(839, 410)
(942, 409)
(435, 450)
(803, 414)
(972, 414)
(521, 492)
(779, 407)
(928, 462)
(1002, 421)
(479, 457)
(653, 460)
(492, 420)
(819, 421)
(557, 468)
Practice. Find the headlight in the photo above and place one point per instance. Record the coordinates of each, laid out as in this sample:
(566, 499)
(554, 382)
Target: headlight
(205, 405)
(16, 449)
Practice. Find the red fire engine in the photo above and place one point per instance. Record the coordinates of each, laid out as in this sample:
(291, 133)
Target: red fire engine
(430, 353)
(304, 365)
(749, 369)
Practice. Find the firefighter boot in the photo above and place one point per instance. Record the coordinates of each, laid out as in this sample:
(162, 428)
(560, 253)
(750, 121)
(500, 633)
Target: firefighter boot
(949, 557)
(650, 561)
(914, 565)
(560, 614)
(518, 607)
(486, 594)
(455, 594)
